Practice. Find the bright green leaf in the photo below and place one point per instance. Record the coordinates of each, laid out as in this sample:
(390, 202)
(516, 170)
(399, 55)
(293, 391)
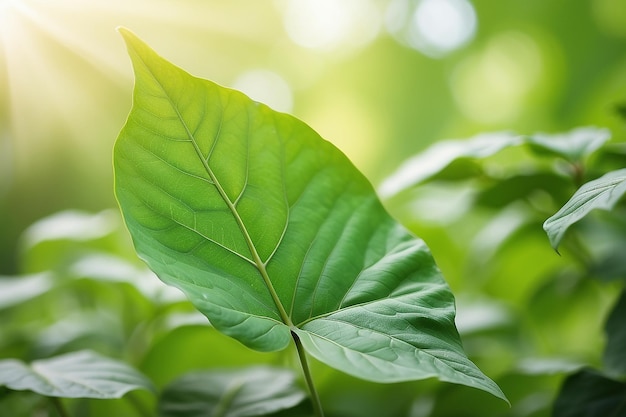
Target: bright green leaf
(574, 145)
(81, 374)
(602, 193)
(269, 229)
(615, 351)
(258, 391)
(439, 156)
(588, 393)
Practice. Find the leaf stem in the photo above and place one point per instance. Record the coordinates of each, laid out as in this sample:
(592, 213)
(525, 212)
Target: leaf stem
(56, 401)
(315, 399)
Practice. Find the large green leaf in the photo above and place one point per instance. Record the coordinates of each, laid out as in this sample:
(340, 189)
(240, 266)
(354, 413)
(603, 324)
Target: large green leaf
(270, 230)
(602, 193)
(81, 374)
(258, 391)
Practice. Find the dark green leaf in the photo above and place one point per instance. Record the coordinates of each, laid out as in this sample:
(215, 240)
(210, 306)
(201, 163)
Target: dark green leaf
(269, 229)
(602, 193)
(588, 393)
(521, 187)
(81, 374)
(615, 351)
(250, 392)
(435, 159)
(574, 145)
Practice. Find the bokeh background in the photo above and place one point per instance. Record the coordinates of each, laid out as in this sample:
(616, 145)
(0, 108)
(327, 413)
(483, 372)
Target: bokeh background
(382, 79)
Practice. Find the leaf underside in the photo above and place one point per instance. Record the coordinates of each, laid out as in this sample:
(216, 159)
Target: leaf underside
(602, 193)
(269, 229)
(82, 374)
(257, 391)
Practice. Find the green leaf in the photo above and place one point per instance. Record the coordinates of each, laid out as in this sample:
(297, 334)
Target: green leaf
(588, 393)
(436, 158)
(505, 191)
(269, 229)
(83, 374)
(615, 351)
(574, 145)
(257, 391)
(602, 193)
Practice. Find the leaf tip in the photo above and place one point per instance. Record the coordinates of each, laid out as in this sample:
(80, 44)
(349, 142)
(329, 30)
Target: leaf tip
(129, 36)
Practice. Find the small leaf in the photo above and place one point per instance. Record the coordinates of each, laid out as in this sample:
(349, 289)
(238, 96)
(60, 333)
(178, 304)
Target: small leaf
(430, 162)
(258, 391)
(83, 374)
(269, 230)
(588, 393)
(573, 146)
(602, 193)
(615, 351)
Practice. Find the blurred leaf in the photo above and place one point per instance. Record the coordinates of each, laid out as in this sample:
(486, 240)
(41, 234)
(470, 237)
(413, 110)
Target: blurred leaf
(547, 366)
(602, 193)
(520, 187)
(565, 314)
(16, 290)
(70, 225)
(57, 240)
(611, 266)
(81, 374)
(615, 350)
(258, 391)
(439, 156)
(574, 145)
(77, 331)
(188, 345)
(110, 268)
(588, 393)
(271, 230)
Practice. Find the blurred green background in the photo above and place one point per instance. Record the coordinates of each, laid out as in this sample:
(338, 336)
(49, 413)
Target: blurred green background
(380, 79)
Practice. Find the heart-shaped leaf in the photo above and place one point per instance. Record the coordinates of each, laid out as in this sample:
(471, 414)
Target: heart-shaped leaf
(269, 230)
(83, 374)
(602, 193)
(250, 392)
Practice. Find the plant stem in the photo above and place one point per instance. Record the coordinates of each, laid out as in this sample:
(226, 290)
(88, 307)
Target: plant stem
(315, 399)
(56, 401)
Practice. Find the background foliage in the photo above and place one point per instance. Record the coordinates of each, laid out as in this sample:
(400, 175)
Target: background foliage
(528, 317)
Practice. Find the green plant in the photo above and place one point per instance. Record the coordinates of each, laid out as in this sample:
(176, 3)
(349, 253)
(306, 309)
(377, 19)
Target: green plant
(273, 234)
(519, 180)
(547, 327)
